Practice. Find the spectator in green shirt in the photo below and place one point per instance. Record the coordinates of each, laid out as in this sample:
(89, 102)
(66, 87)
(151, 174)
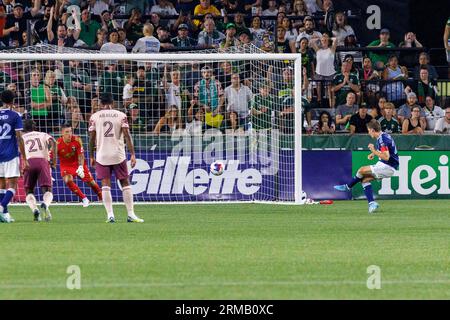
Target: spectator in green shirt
(262, 106)
(40, 100)
(379, 59)
(89, 28)
(388, 123)
(111, 81)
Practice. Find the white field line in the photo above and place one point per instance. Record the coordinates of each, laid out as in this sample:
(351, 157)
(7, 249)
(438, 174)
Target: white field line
(225, 284)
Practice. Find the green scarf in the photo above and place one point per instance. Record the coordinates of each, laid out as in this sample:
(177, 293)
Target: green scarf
(209, 97)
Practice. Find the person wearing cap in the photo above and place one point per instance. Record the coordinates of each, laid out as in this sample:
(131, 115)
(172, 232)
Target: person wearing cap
(380, 59)
(230, 37)
(245, 37)
(404, 112)
(209, 37)
(16, 23)
(163, 36)
(182, 40)
(358, 121)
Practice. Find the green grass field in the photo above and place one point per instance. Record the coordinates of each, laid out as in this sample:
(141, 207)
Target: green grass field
(247, 251)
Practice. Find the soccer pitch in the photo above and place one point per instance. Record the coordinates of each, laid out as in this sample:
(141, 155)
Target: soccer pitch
(248, 251)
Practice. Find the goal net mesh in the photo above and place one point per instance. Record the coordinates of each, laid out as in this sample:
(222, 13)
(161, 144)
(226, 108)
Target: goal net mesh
(183, 115)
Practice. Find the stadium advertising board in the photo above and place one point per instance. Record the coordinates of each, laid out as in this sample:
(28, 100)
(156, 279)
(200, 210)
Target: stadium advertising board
(421, 174)
(257, 168)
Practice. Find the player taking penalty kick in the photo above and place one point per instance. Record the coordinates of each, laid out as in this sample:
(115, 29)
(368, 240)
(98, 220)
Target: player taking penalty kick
(386, 151)
(107, 130)
(73, 164)
(37, 153)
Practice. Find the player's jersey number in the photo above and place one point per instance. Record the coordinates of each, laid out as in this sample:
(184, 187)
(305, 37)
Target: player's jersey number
(108, 133)
(33, 144)
(4, 131)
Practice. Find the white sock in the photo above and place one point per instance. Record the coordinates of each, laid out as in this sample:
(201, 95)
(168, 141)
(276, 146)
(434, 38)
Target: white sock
(31, 200)
(128, 199)
(48, 198)
(107, 201)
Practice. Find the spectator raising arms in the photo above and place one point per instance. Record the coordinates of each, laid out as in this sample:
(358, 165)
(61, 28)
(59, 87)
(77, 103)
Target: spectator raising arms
(63, 39)
(341, 28)
(16, 23)
(89, 28)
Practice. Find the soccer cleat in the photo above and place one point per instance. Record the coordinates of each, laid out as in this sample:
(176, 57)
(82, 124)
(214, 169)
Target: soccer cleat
(373, 206)
(111, 220)
(6, 218)
(37, 215)
(342, 187)
(46, 210)
(85, 202)
(135, 219)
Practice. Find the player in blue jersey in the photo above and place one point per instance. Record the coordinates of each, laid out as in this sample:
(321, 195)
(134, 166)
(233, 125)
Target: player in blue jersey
(386, 151)
(10, 142)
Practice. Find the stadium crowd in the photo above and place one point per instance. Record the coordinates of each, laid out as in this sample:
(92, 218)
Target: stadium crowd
(343, 88)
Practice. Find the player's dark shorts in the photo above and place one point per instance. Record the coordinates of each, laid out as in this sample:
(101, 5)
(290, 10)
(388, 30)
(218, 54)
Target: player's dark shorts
(105, 172)
(38, 172)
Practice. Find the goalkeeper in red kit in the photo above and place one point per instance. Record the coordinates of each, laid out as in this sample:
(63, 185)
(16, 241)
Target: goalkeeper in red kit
(73, 164)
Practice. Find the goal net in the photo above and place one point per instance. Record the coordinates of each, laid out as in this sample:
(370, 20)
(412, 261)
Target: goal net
(185, 111)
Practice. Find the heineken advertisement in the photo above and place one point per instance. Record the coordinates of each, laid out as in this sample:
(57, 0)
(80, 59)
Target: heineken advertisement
(421, 175)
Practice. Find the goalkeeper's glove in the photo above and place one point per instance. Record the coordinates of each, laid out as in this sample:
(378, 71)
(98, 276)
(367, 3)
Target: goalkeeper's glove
(80, 172)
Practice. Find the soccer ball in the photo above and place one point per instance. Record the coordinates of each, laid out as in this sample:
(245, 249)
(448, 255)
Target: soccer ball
(217, 167)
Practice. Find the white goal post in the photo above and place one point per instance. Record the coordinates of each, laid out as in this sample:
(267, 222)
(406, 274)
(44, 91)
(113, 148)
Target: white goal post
(75, 73)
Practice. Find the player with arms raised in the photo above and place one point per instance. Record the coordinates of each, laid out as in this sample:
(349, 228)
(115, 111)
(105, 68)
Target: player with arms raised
(10, 143)
(108, 129)
(37, 153)
(388, 162)
(73, 164)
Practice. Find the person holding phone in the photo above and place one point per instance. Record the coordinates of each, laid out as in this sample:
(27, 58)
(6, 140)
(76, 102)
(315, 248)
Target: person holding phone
(16, 23)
